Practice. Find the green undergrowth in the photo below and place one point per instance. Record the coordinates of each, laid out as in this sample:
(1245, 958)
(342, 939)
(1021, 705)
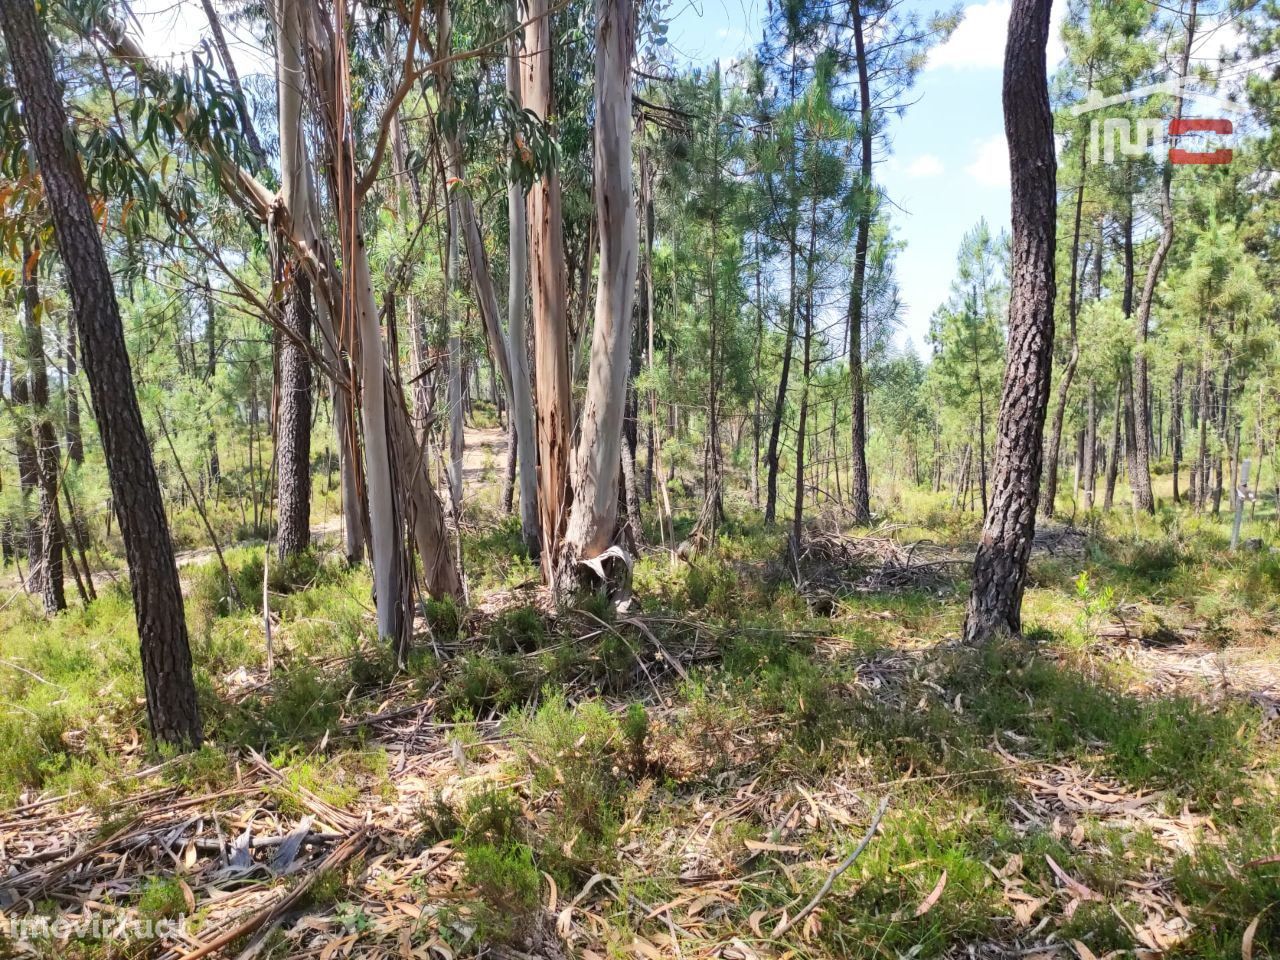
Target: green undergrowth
(612, 764)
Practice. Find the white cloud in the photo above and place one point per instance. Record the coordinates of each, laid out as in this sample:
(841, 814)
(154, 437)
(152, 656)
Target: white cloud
(978, 43)
(925, 165)
(990, 166)
(979, 40)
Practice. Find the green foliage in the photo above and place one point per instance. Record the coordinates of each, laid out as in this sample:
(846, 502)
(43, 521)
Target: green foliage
(162, 899)
(443, 618)
(574, 757)
(518, 630)
(484, 683)
(509, 887)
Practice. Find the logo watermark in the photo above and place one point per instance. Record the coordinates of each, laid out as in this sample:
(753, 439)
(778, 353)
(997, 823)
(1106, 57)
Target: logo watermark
(61, 929)
(1146, 135)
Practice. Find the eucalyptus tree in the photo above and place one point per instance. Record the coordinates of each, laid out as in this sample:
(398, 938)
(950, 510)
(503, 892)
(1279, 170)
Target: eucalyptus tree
(522, 413)
(548, 295)
(593, 518)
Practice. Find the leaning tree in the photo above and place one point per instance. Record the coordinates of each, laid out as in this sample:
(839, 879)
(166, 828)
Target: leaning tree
(1000, 567)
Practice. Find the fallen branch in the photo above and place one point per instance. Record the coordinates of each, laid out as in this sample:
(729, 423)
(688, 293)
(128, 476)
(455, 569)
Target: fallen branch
(338, 858)
(785, 925)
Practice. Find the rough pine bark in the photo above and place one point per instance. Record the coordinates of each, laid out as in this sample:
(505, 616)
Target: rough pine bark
(859, 482)
(1113, 449)
(771, 459)
(1175, 428)
(593, 519)
(157, 598)
(293, 428)
(1088, 468)
(28, 475)
(74, 435)
(1000, 567)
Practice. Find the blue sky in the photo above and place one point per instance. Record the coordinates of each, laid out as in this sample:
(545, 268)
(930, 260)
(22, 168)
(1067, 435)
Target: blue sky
(948, 165)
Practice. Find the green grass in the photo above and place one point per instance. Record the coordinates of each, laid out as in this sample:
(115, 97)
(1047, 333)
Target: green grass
(787, 729)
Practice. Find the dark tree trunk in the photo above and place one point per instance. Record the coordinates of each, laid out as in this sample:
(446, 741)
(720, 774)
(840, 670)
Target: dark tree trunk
(45, 440)
(1175, 428)
(1088, 468)
(1000, 567)
(135, 489)
(1113, 451)
(859, 482)
(293, 429)
(1126, 370)
(780, 403)
(797, 516)
(75, 438)
(28, 474)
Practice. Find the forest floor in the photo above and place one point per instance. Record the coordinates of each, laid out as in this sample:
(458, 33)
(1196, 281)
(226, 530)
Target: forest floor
(680, 781)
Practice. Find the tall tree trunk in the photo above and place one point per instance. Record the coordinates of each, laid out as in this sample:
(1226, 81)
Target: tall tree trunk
(757, 393)
(522, 416)
(797, 513)
(593, 518)
(859, 482)
(74, 435)
(547, 284)
(1000, 566)
(360, 321)
(28, 470)
(780, 401)
(457, 363)
(1113, 451)
(1088, 468)
(1175, 428)
(214, 471)
(293, 426)
(1140, 478)
(45, 440)
(1126, 367)
(1202, 452)
(153, 574)
(301, 200)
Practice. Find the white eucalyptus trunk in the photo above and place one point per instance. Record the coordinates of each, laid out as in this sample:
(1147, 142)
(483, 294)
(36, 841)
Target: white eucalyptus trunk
(521, 391)
(593, 520)
(456, 435)
(383, 523)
